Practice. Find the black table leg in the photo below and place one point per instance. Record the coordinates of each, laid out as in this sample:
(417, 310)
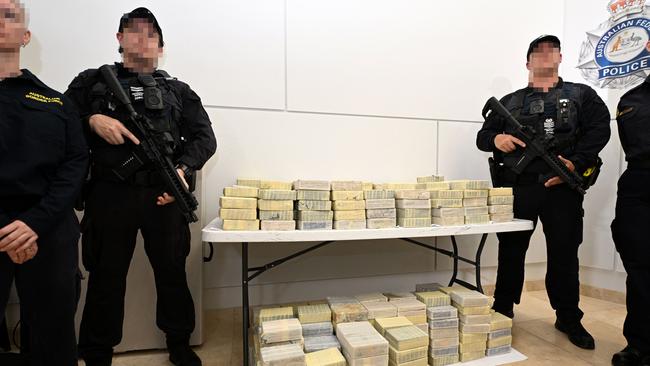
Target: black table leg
(454, 276)
(477, 262)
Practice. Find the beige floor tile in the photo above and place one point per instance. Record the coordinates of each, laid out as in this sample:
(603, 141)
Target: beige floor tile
(609, 339)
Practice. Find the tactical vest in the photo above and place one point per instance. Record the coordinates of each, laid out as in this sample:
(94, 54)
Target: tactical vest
(167, 117)
(566, 130)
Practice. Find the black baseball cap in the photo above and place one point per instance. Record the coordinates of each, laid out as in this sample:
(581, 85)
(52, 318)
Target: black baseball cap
(142, 13)
(542, 39)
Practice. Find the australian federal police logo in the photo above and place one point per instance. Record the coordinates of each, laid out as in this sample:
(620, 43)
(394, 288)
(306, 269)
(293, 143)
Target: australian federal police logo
(617, 54)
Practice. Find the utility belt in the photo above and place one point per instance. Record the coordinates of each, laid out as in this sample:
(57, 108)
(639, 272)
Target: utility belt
(142, 178)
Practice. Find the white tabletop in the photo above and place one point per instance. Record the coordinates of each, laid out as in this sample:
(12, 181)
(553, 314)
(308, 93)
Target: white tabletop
(214, 233)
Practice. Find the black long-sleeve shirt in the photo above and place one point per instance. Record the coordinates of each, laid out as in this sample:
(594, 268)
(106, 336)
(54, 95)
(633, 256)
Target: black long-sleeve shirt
(199, 142)
(43, 154)
(633, 118)
(593, 119)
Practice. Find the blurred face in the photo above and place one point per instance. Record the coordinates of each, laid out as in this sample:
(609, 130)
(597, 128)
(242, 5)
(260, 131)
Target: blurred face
(545, 59)
(13, 32)
(140, 40)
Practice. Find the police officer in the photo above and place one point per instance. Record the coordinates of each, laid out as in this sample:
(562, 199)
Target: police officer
(118, 205)
(579, 121)
(43, 161)
(630, 225)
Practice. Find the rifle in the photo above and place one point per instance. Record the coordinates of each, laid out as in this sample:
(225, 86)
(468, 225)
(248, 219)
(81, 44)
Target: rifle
(541, 146)
(151, 143)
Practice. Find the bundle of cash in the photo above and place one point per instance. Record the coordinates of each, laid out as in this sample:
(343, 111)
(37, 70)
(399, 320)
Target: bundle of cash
(249, 182)
(351, 312)
(405, 338)
(430, 179)
(276, 209)
(269, 314)
(241, 191)
(359, 341)
(318, 343)
(290, 354)
(311, 185)
(447, 203)
(398, 296)
(413, 356)
(284, 330)
(501, 202)
(269, 184)
(372, 297)
(317, 329)
(313, 206)
(347, 186)
(435, 186)
(383, 324)
(469, 184)
(433, 298)
(380, 309)
(500, 336)
(318, 313)
(326, 357)
(349, 205)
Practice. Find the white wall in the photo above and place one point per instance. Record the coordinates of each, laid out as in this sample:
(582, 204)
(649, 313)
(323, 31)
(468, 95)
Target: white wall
(379, 90)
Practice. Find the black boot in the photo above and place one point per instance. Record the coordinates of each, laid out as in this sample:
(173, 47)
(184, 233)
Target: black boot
(578, 335)
(627, 357)
(183, 356)
(504, 307)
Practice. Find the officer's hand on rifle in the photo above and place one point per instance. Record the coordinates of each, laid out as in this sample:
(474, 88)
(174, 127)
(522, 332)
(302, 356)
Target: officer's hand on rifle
(110, 129)
(166, 198)
(507, 143)
(557, 180)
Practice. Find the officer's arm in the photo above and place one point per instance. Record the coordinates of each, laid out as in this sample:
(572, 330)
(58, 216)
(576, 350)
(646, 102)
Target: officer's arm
(493, 126)
(67, 181)
(79, 94)
(594, 119)
(196, 127)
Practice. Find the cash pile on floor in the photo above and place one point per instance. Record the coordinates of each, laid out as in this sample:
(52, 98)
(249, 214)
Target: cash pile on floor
(280, 341)
(500, 337)
(239, 207)
(501, 202)
(435, 326)
(443, 328)
(314, 208)
(362, 345)
(317, 327)
(349, 205)
(474, 315)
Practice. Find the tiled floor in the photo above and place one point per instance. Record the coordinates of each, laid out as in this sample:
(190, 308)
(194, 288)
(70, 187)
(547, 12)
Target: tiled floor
(534, 336)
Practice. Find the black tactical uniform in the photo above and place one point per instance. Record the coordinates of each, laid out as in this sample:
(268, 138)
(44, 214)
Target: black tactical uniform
(630, 226)
(116, 209)
(43, 162)
(579, 120)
